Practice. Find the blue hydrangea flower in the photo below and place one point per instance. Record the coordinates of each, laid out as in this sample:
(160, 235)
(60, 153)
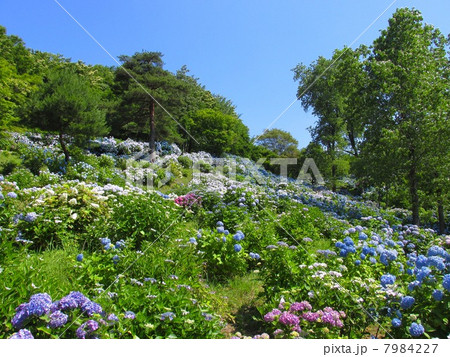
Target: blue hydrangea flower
(129, 315)
(358, 262)
(23, 334)
(423, 273)
(30, 217)
(416, 329)
(220, 230)
(12, 195)
(57, 319)
(446, 282)
(168, 315)
(348, 241)
(414, 284)
(120, 244)
(219, 224)
(80, 257)
(438, 295)
(396, 322)
(105, 241)
(238, 236)
(192, 241)
(406, 302)
(436, 251)
(362, 236)
(116, 259)
(237, 248)
(421, 261)
(387, 279)
(437, 262)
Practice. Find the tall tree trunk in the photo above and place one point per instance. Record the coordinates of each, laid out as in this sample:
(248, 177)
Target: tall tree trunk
(152, 132)
(351, 137)
(64, 147)
(414, 194)
(441, 218)
(333, 177)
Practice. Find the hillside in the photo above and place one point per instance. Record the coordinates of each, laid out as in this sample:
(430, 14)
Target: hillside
(111, 245)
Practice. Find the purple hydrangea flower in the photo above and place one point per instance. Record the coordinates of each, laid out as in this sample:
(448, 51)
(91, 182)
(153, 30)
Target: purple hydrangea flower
(286, 318)
(39, 304)
(90, 308)
(310, 316)
(86, 329)
(270, 316)
(57, 319)
(300, 306)
(331, 317)
(112, 317)
(208, 317)
(22, 314)
(23, 334)
(78, 297)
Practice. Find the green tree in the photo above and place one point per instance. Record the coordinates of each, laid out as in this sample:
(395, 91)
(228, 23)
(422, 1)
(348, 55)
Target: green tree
(149, 98)
(409, 80)
(219, 133)
(279, 141)
(18, 78)
(68, 104)
(333, 89)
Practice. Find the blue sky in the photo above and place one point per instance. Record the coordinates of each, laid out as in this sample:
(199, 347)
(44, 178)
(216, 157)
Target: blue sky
(244, 50)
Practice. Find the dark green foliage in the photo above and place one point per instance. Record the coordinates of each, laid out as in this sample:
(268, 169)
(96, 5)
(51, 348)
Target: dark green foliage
(68, 104)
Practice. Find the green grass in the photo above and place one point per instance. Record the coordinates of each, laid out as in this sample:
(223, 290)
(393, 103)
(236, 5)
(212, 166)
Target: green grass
(242, 296)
